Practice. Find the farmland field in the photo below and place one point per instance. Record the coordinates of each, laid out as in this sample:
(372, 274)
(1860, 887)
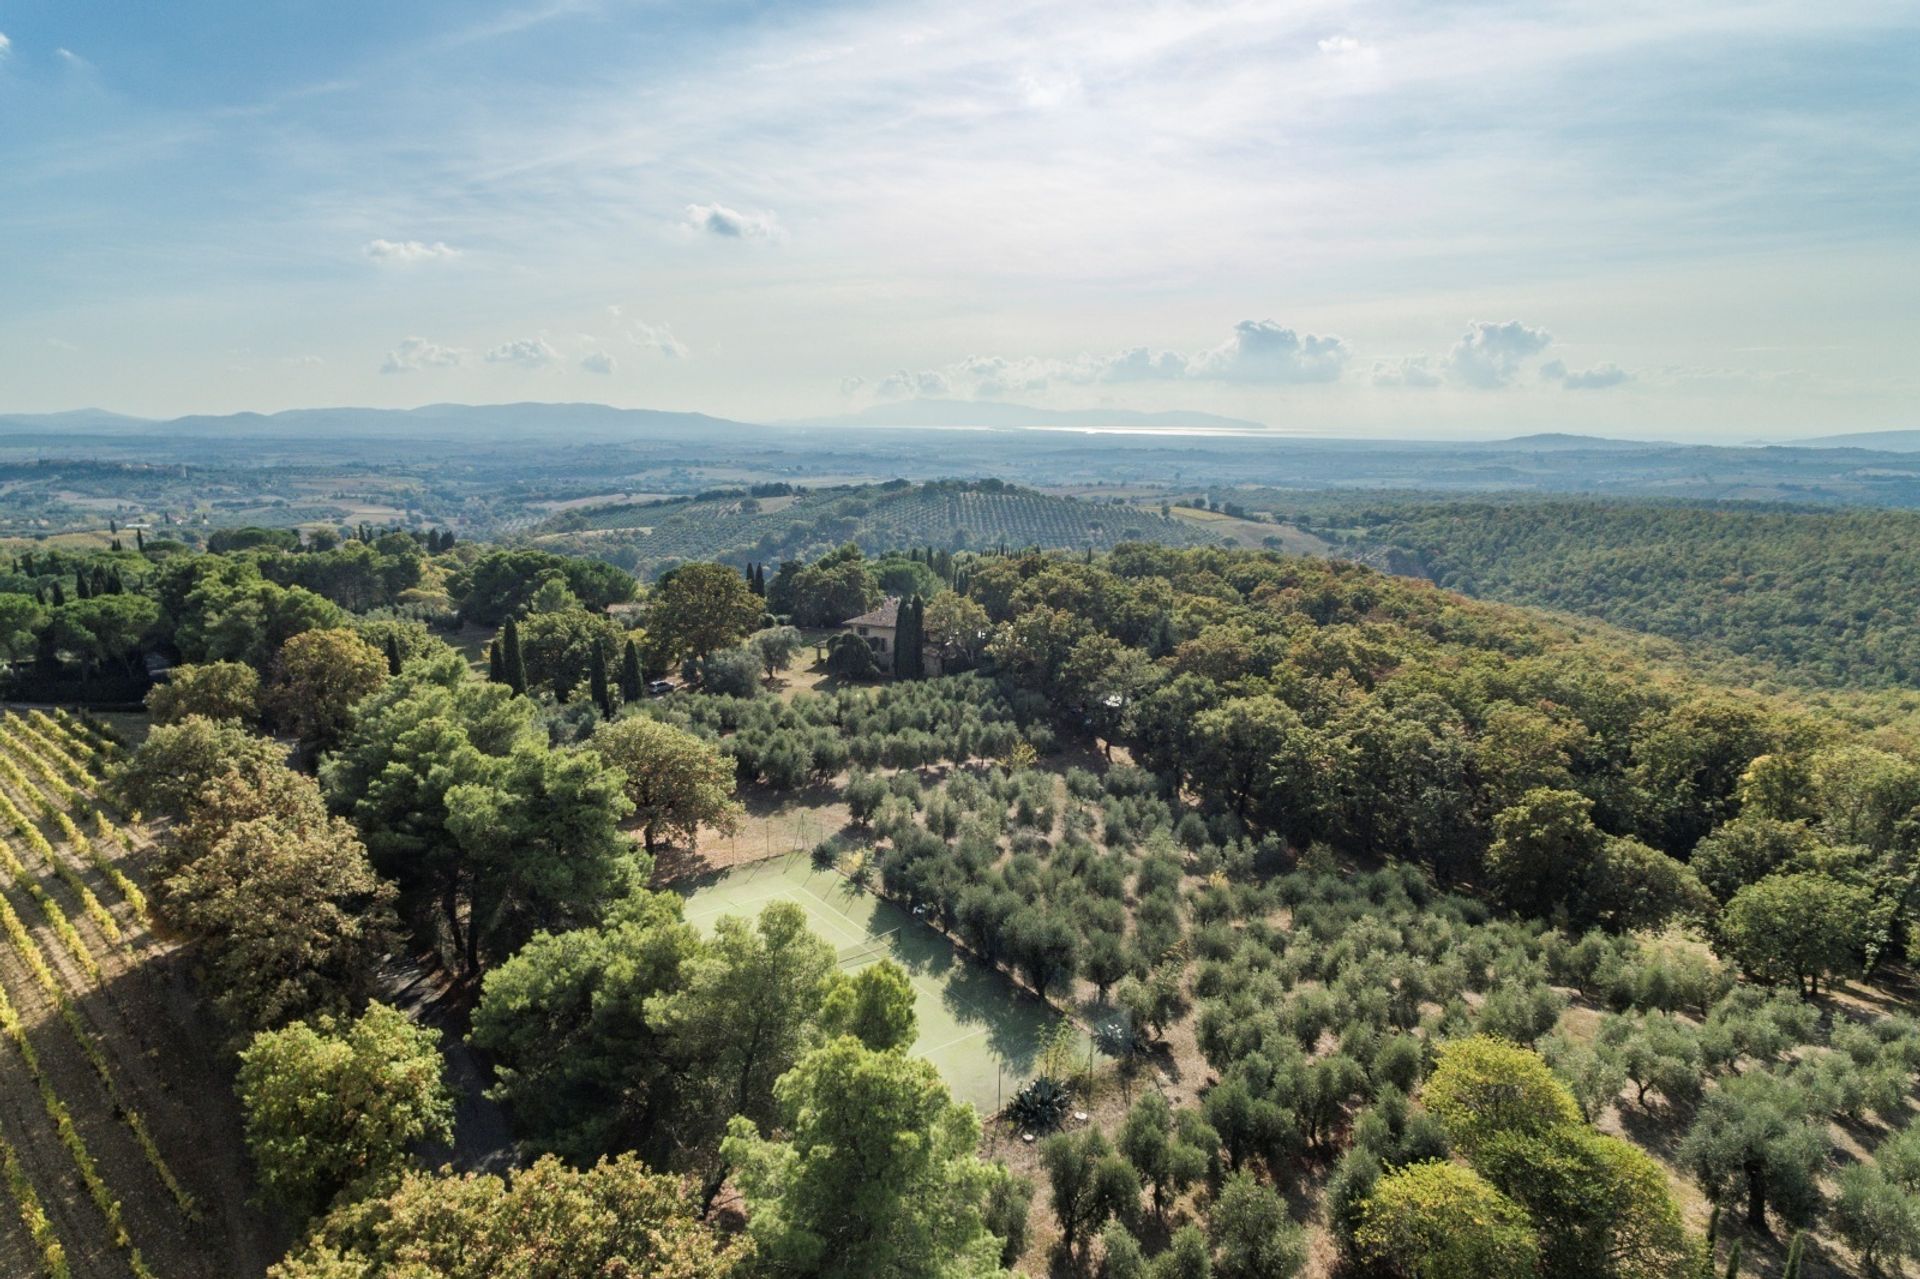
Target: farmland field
(118, 1138)
(950, 516)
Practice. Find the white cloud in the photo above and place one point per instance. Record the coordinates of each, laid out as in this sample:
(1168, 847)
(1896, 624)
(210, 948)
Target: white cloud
(904, 385)
(1488, 355)
(1143, 364)
(6, 45)
(73, 59)
(1597, 378)
(1046, 91)
(1262, 351)
(304, 361)
(1414, 371)
(527, 353)
(597, 362)
(408, 251)
(1341, 47)
(731, 224)
(416, 353)
(657, 337)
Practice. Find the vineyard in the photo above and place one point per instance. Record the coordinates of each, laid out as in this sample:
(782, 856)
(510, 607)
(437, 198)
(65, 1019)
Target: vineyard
(946, 515)
(117, 1131)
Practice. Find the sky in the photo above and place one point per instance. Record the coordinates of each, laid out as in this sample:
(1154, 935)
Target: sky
(1452, 218)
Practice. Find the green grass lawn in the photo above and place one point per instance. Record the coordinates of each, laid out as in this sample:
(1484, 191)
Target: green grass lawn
(982, 1033)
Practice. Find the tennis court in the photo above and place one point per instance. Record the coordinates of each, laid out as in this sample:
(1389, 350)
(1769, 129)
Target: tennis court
(980, 1032)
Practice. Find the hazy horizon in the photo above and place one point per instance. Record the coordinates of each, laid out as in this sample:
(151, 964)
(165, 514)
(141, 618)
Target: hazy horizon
(1123, 422)
(1349, 220)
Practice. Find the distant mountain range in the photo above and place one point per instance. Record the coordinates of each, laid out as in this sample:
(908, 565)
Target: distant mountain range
(493, 423)
(996, 413)
(1878, 441)
(91, 421)
(530, 423)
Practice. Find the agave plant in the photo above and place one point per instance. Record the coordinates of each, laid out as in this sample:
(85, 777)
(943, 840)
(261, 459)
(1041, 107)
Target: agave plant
(1041, 1106)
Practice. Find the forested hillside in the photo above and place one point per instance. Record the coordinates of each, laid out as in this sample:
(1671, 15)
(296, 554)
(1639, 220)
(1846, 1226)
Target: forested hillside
(1825, 596)
(1373, 930)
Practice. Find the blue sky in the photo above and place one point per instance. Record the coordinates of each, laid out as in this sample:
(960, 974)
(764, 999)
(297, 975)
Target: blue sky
(1698, 219)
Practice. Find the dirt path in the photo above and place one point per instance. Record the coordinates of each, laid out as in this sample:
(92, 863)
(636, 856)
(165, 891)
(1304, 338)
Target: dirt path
(482, 1136)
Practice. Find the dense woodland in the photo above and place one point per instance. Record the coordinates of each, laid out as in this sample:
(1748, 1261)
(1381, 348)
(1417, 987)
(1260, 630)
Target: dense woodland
(1475, 945)
(1818, 594)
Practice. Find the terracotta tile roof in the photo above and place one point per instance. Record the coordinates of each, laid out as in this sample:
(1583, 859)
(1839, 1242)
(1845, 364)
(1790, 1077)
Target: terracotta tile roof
(887, 614)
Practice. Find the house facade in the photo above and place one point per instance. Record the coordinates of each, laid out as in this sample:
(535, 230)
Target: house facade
(877, 626)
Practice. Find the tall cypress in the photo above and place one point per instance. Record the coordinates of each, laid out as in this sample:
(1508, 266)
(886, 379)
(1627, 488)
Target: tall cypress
(597, 681)
(515, 666)
(496, 668)
(908, 632)
(393, 653)
(139, 540)
(630, 674)
(919, 637)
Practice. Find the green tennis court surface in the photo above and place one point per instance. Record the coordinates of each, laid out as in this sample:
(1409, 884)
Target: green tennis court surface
(980, 1032)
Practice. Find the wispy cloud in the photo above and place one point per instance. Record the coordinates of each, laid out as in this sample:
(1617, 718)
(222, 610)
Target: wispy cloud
(1415, 372)
(404, 251)
(1258, 352)
(658, 338)
(1597, 378)
(986, 178)
(6, 45)
(598, 362)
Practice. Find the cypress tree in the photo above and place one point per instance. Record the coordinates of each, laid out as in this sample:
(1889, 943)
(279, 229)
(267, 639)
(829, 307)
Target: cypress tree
(393, 653)
(496, 669)
(139, 540)
(903, 640)
(597, 681)
(515, 667)
(59, 595)
(919, 638)
(82, 586)
(909, 640)
(113, 526)
(1795, 1252)
(1733, 1261)
(630, 688)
